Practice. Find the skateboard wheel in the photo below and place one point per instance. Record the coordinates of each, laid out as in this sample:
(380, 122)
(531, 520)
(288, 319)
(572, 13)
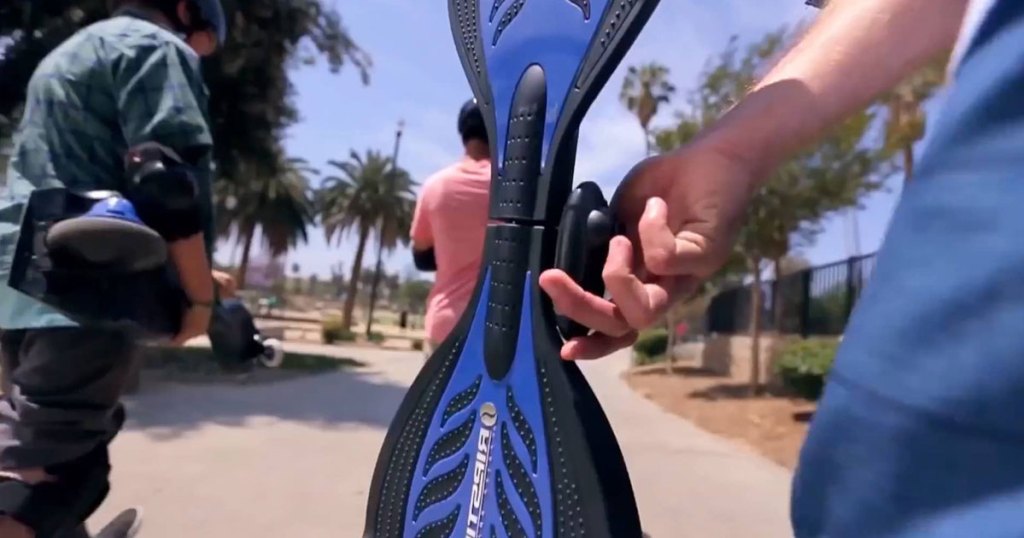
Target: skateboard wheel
(273, 353)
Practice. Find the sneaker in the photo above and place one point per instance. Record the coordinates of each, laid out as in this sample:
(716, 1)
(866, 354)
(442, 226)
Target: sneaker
(125, 525)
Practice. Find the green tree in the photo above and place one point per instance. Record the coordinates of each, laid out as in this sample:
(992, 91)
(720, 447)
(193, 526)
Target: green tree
(412, 295)
(355, 201)
(251, 95)
(790, 207)
(393, 226)
(644, 90)
(280, 209)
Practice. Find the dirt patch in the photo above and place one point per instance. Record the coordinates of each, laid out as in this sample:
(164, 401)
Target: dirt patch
(773, 424)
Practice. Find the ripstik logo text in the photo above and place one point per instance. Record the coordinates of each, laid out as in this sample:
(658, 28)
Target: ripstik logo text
(488, 418)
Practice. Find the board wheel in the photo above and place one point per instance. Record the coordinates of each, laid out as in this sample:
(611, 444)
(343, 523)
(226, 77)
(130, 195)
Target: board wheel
(273, 353)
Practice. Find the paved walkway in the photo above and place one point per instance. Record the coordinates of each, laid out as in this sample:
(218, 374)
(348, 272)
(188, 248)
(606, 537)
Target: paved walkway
(294, 459)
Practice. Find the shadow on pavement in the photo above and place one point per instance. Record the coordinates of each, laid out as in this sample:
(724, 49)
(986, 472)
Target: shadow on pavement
(345, 398)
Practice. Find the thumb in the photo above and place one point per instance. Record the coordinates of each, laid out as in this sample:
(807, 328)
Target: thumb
(670, 253)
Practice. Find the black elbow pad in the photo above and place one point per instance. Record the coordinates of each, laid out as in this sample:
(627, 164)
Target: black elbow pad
(424, 259)
(163, 190)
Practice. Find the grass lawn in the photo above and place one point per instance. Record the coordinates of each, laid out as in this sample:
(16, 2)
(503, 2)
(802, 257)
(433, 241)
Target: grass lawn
(199, 365)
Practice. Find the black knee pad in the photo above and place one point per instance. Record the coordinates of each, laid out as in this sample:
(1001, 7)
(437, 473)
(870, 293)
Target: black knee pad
(80, 486)
(163, 190)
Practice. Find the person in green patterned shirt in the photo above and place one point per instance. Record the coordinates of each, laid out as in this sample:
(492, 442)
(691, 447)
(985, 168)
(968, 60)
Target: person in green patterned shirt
(129, 80)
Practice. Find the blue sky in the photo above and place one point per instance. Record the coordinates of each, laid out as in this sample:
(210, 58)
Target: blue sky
(417, 78)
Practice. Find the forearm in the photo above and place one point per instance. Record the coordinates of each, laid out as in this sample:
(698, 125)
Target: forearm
(193, 267)
(857, 50)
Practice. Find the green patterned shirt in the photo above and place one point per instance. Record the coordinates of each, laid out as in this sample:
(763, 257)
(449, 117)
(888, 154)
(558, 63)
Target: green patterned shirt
(111, 86)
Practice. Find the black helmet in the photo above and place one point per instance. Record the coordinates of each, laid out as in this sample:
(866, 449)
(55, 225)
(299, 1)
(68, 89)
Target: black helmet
(205, 15)
(471, 122)
(210, 13)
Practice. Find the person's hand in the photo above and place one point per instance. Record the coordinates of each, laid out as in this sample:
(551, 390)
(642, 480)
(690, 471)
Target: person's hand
(681, 212)
(194, 322)
(226, 283)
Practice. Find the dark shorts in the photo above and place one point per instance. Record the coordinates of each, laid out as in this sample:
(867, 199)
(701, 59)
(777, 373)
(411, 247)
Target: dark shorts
(62, 390)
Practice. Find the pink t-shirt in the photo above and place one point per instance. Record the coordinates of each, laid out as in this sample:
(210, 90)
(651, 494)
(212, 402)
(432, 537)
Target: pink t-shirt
(452, 216)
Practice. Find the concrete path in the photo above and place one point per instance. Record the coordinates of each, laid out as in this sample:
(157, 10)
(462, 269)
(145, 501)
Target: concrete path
(294, 459)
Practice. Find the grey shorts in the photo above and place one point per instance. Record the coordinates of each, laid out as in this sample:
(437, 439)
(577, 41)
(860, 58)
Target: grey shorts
(62, 390)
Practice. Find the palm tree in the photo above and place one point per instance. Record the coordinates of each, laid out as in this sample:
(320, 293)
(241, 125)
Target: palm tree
(392, 229)
(644, 90)
(358, 200)
(907, 120)
(278, 206)
(392, 283)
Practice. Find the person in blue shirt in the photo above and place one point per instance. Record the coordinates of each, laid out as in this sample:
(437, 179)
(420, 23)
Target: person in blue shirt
(125, 82)
(920, 431)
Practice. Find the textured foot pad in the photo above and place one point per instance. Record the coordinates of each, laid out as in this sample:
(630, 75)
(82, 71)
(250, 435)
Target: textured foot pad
(527, 454)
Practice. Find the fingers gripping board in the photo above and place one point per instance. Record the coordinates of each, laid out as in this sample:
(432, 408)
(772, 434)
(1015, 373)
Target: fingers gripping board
(498, 437)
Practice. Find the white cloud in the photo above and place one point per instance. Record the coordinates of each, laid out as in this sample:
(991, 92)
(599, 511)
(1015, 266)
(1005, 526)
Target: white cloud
(611, 142)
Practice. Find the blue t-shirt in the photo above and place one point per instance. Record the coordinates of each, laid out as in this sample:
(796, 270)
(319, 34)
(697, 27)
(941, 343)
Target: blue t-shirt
(921, 430)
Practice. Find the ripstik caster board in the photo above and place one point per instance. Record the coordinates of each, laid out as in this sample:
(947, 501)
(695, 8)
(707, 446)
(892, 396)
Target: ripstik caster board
(498, 437)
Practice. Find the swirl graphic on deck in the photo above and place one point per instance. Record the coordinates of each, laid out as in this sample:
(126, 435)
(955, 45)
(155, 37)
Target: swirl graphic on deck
(481, 455)
(516, 7)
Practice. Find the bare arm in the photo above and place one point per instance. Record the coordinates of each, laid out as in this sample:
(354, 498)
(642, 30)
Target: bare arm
(857, 50)
(189, 258)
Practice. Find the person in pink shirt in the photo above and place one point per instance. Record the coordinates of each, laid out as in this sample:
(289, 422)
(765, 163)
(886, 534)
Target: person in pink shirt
(449, 225)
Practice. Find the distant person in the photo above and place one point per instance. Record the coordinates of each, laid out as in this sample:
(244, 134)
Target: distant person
(449, 225)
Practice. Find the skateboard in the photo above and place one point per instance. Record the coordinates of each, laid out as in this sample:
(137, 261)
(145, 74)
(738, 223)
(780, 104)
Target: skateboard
(90, 256)
(497, 436)
(235, 338)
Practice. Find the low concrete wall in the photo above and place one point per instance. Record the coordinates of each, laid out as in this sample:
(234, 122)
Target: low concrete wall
(728, 355)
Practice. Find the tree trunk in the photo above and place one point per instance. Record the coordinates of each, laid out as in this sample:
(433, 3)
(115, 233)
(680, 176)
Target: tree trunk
(353, 281)
(777, 302)
(755, 329)
(647, 141)
(374, 286)
(243, 266)
(908, 164)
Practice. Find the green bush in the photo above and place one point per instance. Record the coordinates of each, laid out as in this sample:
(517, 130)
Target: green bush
(650, 345)
(332, 330)
(376, 337)
(803, 366)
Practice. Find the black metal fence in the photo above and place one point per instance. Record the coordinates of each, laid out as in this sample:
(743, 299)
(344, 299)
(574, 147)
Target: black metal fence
(815, 301)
